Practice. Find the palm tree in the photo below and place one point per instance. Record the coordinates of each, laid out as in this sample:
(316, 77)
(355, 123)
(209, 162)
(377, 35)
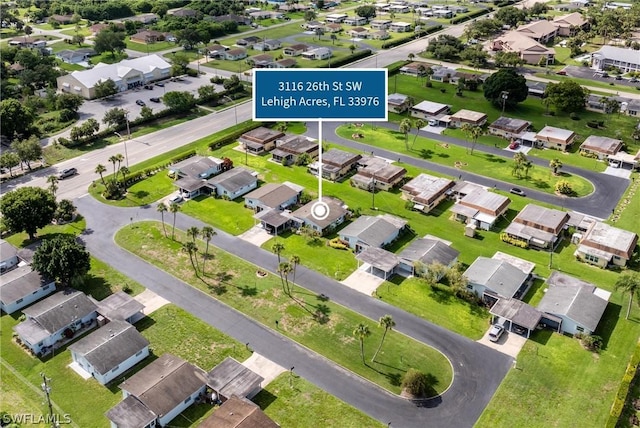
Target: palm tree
(294, 261)
(277, 248)
(207, 233)
(405, 128)
(174, 208)
(333, 39)
(352, 48)
(411, 56)
(191, 248)
(119, 158)
(473, 132)
(527, 165)
(387, 323)
(629, 282)
(100, 169)
(193, 232)
(284, 269)
(162, 208)
(124, 171)
(113, 160)
(53, 184)
(555, 165)
(361, 332)
(418, 124)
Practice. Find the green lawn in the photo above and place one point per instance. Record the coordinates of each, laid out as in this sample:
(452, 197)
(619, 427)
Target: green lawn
(74, 228)
(83, 31)
(299, 403)
(588, 82)
(485, 164)
(242, 65)
(319, 324)
(150, 47)
(17, 398)
(142, 193)
(230, 216)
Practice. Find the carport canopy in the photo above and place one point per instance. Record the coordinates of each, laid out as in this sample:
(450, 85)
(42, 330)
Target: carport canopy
(379, 259)
(517, 312)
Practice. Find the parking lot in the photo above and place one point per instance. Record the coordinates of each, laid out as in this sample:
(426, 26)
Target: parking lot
(589, 73)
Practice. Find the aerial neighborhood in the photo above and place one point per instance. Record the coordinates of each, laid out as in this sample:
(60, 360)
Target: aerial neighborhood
(467, 257)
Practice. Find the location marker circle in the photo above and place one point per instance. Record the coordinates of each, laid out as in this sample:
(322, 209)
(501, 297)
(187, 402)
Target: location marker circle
(320, 210)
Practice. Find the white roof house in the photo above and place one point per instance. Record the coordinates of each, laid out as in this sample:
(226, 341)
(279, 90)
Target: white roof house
(625, 59)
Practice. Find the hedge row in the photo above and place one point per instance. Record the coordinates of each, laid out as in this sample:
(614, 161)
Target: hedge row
(350, 58)
(623, 391)
(463, 18)
(411, 37)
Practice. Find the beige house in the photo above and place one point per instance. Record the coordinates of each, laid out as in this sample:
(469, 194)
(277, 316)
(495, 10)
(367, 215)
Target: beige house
(604, 245)
(569, 25)
(541, 31)
(429, 109)
(538, 226)
(398, 103)
(602, 147)
(260, 140)
(555, 138)
(426, 191)
(480, 208)
(508, 127)
(377, 173)
(335, 164)
(471, 117)
(529, 50)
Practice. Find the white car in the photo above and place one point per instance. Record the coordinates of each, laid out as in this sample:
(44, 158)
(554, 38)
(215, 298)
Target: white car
(175, 199)
(496, 331)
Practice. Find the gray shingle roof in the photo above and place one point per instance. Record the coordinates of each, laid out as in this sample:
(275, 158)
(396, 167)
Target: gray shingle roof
(233, 180)
(335, 212)
(517, 312)
(272, 195)
(429, 251)
(60, 309)
(232, 378)
(131, 413)
(498, 276)
(378, 258)
(373, 231)
(19, 283)
(119, 306)
(110, 345)
(238, 413)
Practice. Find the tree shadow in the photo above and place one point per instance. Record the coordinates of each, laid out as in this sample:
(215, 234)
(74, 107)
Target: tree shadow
(444, 155)
(139, 194)
(96, 286)
(247, 291)
(321, 314)
(144, 323)
(541, 336)
(395, 379)
(440, 295)
(426, 153)
(493, 158)
(540, 184)
(608, 323)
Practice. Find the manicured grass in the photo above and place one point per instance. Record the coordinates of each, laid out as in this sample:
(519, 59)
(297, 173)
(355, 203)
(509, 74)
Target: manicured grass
(141, 193)
(83, 31)
(435, 304)
(485, 164)
(311, 320)
(150, 47)
(62, 45)
(628, 209)
(230, 216)
(299, 403)
(270, 33)
(108, 58)
(18, 399)
(102, 280)
(242, 65)
(74, 228)
(588, 82)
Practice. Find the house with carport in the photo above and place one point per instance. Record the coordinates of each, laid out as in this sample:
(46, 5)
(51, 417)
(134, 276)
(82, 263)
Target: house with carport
(8, 256)
(429, 110)
(336, 164)
(118, 306)
(110, 351)
(480, 208)
(377, 173)
(232, 379)
(604, 245)
(507, 127)
(369, 231)
(578, 304)
(260, 140)
(235, 54)
(426, 191)
(295, 50)
(380, 24)
(493, 278)
(426, 251)
(22, 286)
(601, 147)
(290, 147)
(273, 196)
(238, 413)
(337, 214)
(416, 69)
(56, 320)
(398, 103)
(464, 116)
(317, 54)
(233, 183)
(538, 227)
(516, 316)
(555, 138)
(400, 27)
(158, 393)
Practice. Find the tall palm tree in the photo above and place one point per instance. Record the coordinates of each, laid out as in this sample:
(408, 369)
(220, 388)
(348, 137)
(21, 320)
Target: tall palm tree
(277, 248)
(207, 233)
(53, 184)
(162, 208)
(101, 169)
(473, 132)
(527, 165)
(629, 282)
(191, 248)
(284, 269)
(193, 232)
(361, 332)
(119, 158)
(124, 171)
(294, 261)
(387, 323)
(113, 160)
(418, 124)
(411, 56)
(555, 165)
(405, 128)
(174, 209)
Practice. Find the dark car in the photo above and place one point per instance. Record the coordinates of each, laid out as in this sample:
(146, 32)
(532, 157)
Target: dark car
(517, 191)
(561, 73)
(160, 84)
(633, 80)
(141, 103)
(154, 100)
(618, 77)
(66, 173)
(149, 87)
(514, 145)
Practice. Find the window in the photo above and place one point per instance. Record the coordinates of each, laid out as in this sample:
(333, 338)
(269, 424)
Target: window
(591, 258)
(138, 353)
(19, 300)
(579, 328)
(187, 400)
(115, 368)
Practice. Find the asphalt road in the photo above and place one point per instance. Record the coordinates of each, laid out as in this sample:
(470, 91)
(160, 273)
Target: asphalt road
(478, 370)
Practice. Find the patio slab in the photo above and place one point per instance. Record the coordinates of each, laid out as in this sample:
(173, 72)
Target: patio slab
(264, 367)
(151, 301)
(618, 172)
(510, 343)
(256, 235)
(363, 281)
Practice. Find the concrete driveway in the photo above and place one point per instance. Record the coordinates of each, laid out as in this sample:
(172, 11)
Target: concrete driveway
(256, 235)
(362, 281)
(509, 343)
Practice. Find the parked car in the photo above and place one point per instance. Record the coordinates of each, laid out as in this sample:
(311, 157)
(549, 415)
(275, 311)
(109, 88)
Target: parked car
(517, 191)
(66, 173)
(149, 87)
(160, 84)
(561, 73)
(175, 199)
(496, 331)
(618, 77)
(514, 145)
(633, 80)
(154, 99)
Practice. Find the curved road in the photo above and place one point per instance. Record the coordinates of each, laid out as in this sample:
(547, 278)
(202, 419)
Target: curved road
(478, 370)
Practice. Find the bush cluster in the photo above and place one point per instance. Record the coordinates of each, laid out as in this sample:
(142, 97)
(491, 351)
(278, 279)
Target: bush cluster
(459, 19)
(504, 237)
(623, 390)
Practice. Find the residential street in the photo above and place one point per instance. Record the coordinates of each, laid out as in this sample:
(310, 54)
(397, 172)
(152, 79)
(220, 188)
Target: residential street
(478, 370)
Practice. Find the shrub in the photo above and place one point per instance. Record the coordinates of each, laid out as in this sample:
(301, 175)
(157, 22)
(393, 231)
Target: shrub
(592, 124)
(64, 141)
(429, 84)
(338, 244)
(574, 116)
(416, 383)
(564, 187)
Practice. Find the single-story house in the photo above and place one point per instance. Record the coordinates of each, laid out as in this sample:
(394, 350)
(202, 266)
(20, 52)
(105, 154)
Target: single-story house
(119, 306)
(215, 51)
(471, 117)
(62, 19)
(230, 378)
(378, 262)
(529, 50)
(28, 42)
(442, 74)
(602, 147)
(336, 216)
(261, 61)
(380, 24)
(368, 231)
(626, 59)
(110, 351)
(75, 56)
(273, 196)
(233, 183)
(426, 191)
(126, 74)
(238, 413)
(605, 245)
(555, 138)
(235, 54)
(417, 69)
(267, 45)
(197, 167)
(317, 53)
(355, 20)
(8, 256)
(579, 304)
(145, 18)
(376, 173)
(290, 147)
(274, 221)
(295, 50)
(538, 226)
(284, 63)
(624, 160)
(159, 392)
(398, 103)
(336, 17)
(536, 88)
(480, 208)
(183, 12)
(21, 287)
(147, 36)
(56, 320)
(398, 8)
(508, 127)
(400, 27)
(569, 25)
(333, 28)
(442, 13)
(359, 32)
(379, 35)
(515, 313)
(429, 109)
(426, 251)
(336, 164)
(312, 25)
(541, 31)
(260, 140)
(238, 19)
(492, 279)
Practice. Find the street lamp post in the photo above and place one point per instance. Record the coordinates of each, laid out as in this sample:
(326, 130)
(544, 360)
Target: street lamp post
(504, 95)
(124, 140)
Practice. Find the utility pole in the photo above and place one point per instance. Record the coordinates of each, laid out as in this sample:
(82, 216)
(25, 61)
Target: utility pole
(47, 390)
(373, 193)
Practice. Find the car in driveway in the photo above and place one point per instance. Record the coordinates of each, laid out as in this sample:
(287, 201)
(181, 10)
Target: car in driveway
(175, 199)
(496, 332)
(154, 99)
(514, 145)
(160, 84)
(66, 173)
(517, 191)
(141, 103)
